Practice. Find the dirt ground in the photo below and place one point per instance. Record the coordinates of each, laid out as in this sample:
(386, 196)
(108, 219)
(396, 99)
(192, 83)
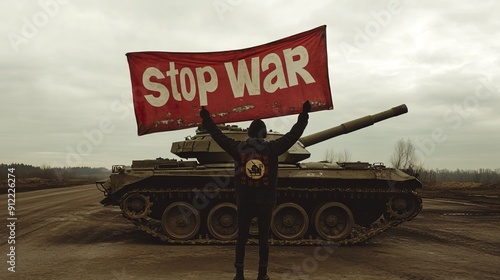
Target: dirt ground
(65, 233)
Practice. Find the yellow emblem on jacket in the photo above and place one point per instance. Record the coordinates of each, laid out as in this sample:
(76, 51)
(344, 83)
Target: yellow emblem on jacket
(255, 169)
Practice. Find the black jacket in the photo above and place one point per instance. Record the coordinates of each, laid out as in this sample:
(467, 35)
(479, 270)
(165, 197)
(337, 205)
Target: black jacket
(256, 161)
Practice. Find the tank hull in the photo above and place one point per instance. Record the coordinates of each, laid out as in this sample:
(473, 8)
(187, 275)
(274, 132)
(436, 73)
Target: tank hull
(183, 202)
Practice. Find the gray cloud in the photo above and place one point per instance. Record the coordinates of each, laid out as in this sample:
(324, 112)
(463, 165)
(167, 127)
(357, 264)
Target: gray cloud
(64, 76)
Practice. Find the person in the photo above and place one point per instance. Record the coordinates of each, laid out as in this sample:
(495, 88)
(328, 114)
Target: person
(255, 179)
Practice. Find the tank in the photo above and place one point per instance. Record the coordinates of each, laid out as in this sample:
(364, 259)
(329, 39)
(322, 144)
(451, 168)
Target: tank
(184, 201)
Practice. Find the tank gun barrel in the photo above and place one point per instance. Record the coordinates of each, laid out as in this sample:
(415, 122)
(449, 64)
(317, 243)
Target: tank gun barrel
(353, 125)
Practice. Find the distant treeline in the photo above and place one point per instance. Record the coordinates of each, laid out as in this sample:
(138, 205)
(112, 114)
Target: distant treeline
(482, 175)
(54, 173)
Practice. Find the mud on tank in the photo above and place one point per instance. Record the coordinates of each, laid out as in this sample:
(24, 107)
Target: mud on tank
(193, 201)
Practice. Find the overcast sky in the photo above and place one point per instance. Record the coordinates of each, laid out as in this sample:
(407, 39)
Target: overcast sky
(66, 93)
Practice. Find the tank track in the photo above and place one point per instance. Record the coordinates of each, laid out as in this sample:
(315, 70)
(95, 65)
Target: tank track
(359, 234)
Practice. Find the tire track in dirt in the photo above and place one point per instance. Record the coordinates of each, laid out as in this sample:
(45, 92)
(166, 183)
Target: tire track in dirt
(444, 237)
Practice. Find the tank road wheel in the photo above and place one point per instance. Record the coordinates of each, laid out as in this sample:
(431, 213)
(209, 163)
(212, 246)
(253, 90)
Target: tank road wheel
(400, 206)
(333, 221)
(289, 221)
(180, 221)
(136, 206)
(223, 221)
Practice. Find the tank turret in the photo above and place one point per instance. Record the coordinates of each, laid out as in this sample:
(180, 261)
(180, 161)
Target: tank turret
(205, 150)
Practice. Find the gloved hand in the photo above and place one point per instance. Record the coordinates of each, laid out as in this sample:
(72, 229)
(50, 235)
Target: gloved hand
(306, 107)
(204, 114)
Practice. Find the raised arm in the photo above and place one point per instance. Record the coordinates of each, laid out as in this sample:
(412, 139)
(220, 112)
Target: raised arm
(227, 144)
(284, 143)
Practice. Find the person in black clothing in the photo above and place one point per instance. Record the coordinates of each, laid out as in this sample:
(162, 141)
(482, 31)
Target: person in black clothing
(255, 179)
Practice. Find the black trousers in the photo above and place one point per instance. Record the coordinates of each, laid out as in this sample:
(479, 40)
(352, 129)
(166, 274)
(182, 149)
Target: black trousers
(247, 211)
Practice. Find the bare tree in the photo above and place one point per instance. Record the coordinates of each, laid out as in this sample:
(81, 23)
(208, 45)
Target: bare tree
(332, 156)
(404, 156)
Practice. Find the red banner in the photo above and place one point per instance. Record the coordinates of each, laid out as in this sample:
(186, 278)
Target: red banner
(265, 81)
